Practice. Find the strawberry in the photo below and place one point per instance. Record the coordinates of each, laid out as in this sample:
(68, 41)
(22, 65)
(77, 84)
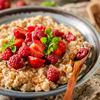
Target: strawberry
(58, 51)
(35, 62)
(62, 45)
(36, 49)
(31, 28)
(18, 43)
(19, 32)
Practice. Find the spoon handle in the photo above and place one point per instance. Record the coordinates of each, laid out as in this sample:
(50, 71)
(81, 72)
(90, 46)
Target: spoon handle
(73, 78)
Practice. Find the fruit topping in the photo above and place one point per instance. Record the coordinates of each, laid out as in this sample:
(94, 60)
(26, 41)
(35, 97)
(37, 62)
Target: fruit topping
(58, 51)
(16, 62)
(19, 32)
(31, 28)
(62, 45)
(18, 43)
(42, 28)
(28, 37)
(37, 35)
(36, 49)
(69, 37)
(20, 3)
(4, 4)
(57, 33)
(53, 74)
(6, 54)
(81, 53)
(36, 62)
(51, 58)
(24, 51)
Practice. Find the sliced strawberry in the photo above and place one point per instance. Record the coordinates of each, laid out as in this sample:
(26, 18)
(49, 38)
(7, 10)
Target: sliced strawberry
(18, 43)
(36, 62)
(58, 51)
(62, 45)
(19, 32)
(36, 49)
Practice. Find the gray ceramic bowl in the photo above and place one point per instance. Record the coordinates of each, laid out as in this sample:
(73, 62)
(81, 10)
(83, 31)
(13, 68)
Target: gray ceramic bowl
(69, 19)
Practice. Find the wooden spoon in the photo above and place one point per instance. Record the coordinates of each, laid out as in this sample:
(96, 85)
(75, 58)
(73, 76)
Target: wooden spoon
(77, 67)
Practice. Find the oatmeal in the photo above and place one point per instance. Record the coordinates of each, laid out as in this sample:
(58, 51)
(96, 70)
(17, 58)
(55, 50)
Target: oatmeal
(28, 63)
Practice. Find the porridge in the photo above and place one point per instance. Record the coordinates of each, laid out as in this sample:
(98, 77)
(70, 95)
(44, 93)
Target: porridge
(38, 54)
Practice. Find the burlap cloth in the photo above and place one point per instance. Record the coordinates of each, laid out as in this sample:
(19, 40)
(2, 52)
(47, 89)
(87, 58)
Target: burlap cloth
(90, 90)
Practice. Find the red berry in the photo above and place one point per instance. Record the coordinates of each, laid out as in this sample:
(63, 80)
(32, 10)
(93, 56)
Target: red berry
(19, 32)
(37, 35)
(4, 4)
(53, 74)
(69, 37)
(37, 49)
(62, 45)
(15, 62)
(81, 53)
(28, 37)
(42, 28)
(31, 28)
(58, 51)
(24, 51)
(6, 54)
(20, 3)
(51, 58)
(18, 43)
(57, 33)
(36, 62)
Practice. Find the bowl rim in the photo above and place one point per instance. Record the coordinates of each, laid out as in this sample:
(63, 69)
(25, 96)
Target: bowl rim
(19, 94)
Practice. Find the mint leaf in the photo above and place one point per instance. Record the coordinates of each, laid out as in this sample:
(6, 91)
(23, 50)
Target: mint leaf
(44, 40)
(3, 48)
(6, 44)
(48, 31)
(48, 3)
(55, 47)
(13, 49)
(55, 40)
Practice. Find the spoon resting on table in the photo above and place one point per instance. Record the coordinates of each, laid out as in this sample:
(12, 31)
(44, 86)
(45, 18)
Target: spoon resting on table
(73, 79)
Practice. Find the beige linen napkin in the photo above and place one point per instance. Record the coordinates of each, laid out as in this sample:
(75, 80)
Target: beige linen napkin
(90, 90)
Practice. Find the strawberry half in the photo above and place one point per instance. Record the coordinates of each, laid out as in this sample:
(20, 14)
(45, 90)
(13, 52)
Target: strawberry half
(19, 32)
(36, 49)
(62, 45)
(18, 43)
(35, 62)
(58, 51)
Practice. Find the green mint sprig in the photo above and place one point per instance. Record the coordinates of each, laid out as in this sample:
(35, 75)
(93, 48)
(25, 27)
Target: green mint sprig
(50, 41)
(9, 45)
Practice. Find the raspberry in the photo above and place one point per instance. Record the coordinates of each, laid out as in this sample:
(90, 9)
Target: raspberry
(20, 3)
(24, 51)
(51, 58)
(31, 28)
(81, 53)
(6, 54)
(53, 74)
(15, 62)
(69, 37)
(38, 34)
(57, 33)
(28, 37)
(42, 28)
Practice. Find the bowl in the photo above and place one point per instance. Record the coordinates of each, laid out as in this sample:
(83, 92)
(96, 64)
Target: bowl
(69, 19)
